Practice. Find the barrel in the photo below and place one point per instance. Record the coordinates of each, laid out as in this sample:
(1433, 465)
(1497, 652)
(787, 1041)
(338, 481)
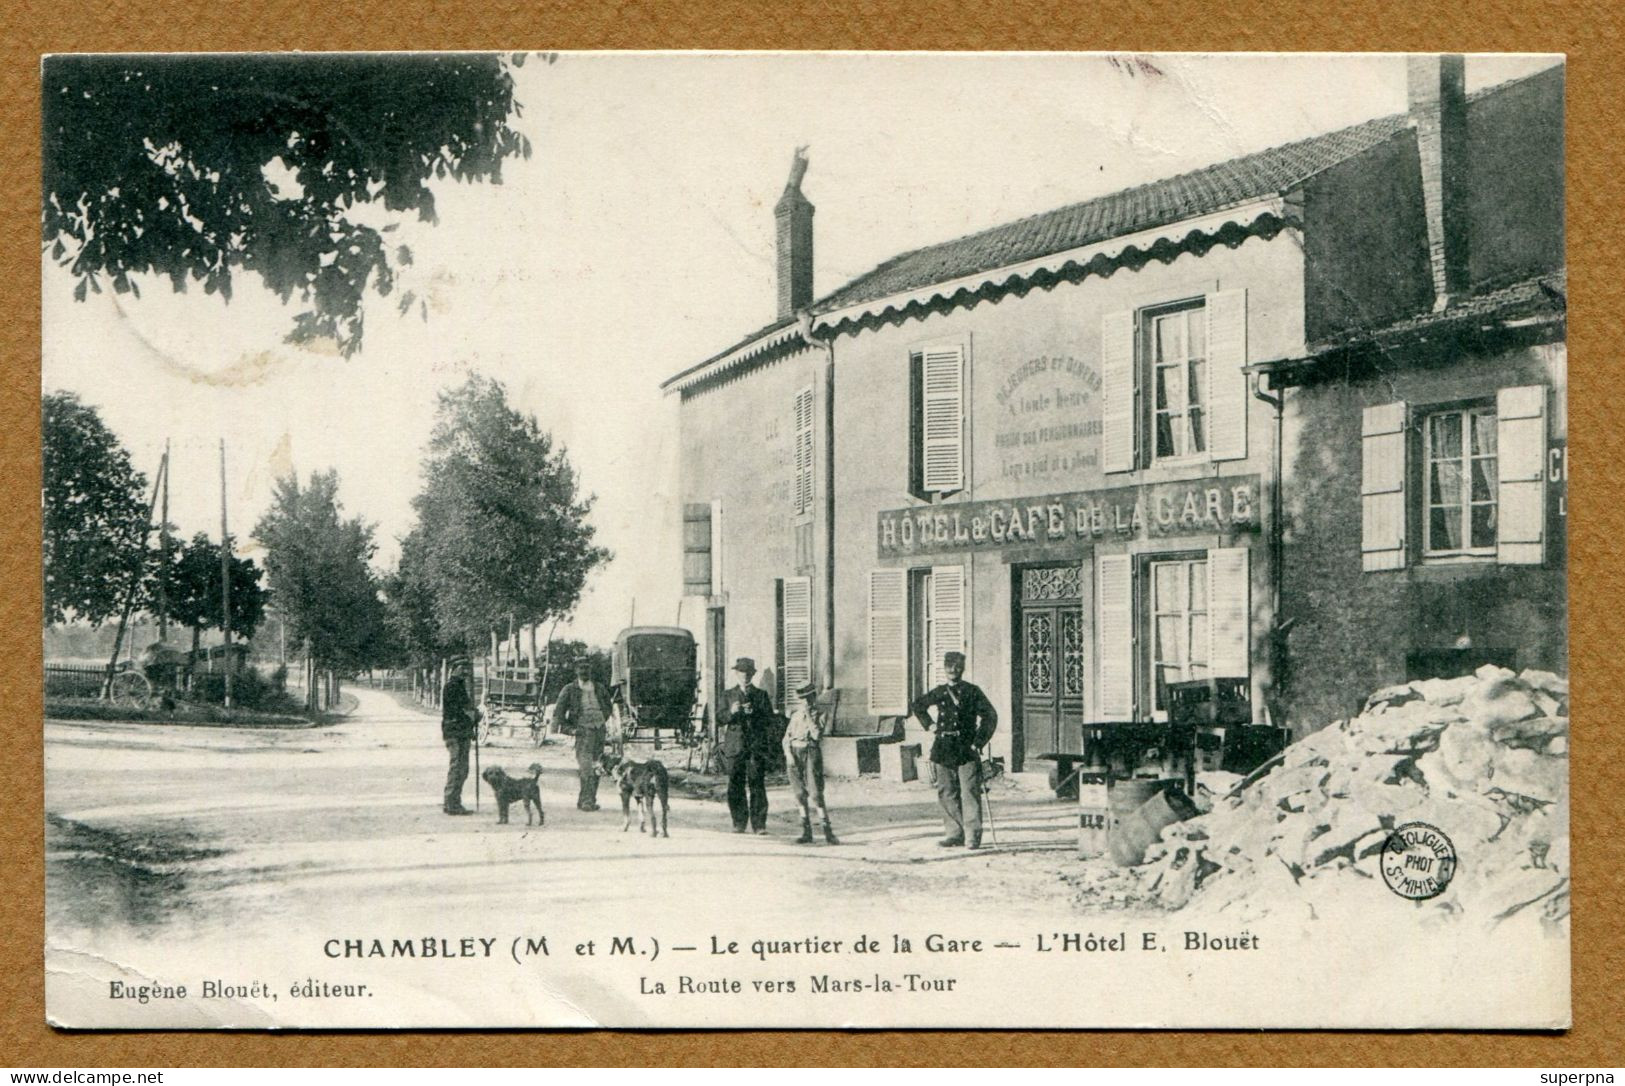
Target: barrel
(1094, 816)
(1140, 810)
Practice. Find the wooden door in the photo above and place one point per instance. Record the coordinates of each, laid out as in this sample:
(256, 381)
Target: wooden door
(1051, 657)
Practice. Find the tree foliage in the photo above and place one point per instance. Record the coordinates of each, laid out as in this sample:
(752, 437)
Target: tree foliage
(409, 606)
(167, 165)
(504, 528)
(191, 590)
(318, 566)
(95, 517)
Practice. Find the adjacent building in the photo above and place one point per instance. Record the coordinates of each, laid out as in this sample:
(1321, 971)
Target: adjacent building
(1154, 436)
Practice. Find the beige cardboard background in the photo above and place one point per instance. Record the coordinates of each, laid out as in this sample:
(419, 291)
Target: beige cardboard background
(1588, 32)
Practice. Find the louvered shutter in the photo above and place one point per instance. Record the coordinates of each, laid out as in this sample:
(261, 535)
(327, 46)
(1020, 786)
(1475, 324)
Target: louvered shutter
(802, 491)
(1114, 626)
(1226, 383)
(1229, 613)
(1382, 486)
(888, 642)
(1117, 391)
(696, 549)
(947, 617)
(796, 632)
(1520, 444)
(942, 405)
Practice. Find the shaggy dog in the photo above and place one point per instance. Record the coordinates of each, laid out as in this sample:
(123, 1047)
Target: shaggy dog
(647, 782)
(511, 790)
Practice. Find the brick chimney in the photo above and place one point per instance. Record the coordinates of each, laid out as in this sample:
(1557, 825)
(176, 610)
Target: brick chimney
(1436, 87)
(794, 214)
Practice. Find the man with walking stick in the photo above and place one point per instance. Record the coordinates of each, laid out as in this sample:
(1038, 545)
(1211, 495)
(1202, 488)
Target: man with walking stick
(459, 724)
(965, 721)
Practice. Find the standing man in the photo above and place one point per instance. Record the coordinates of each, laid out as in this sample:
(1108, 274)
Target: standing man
(965, 722)
(804, 757)
(459, 720)
(750, 735)
(585, 705)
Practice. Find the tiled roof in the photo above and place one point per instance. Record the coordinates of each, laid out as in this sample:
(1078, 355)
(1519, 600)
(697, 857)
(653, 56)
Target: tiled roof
(1144, 207)
(1539, 295)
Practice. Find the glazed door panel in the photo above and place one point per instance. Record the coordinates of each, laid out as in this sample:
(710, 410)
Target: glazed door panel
(1051, 657)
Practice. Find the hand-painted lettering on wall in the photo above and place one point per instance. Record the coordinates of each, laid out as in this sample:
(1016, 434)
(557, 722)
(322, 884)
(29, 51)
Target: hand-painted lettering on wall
(1228, 504)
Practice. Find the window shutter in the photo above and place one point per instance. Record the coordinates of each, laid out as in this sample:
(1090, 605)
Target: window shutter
(888, 642)
(696, 549)
(796, 631)
(802, 490)
(717, 585)
(1229, 613)
(1382, 486)
(947, 617)
(1226, 383)
(1520, 448)
(1114, 626)
(1117, 391)
(942, 375)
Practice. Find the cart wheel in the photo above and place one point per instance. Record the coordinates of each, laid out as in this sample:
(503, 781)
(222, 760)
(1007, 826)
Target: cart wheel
(131, 690)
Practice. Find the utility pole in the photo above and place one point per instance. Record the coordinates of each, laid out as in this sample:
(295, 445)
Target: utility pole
(163, 552)
(225, 572)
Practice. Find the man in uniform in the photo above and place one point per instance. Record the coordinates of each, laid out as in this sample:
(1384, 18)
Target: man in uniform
(750, 736)
(459, 719)
(584, 705)
(804, 758)
(964, 723)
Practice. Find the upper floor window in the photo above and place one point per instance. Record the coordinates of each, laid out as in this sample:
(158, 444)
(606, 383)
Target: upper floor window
(1175, 353)
(1459, 455)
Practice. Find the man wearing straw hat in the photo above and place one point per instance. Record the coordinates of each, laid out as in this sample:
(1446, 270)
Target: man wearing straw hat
(750, 737)
(965, 722)
(804, 758)
(459, 719)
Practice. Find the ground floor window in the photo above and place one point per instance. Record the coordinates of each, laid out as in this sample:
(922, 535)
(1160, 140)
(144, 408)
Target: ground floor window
(1178, 624)
(915, 617)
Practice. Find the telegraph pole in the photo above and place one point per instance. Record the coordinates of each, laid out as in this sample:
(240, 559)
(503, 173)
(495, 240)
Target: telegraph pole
(225, 572)
(163, 551)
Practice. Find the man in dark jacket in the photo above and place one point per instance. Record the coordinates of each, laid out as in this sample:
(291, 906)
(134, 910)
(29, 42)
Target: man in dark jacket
(585, 706)
(750, 742)
(459, 718)
(965, 721)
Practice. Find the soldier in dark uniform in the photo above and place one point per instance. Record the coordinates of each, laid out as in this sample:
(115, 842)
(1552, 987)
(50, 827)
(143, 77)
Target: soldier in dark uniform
(750, 741)
(965, 721)
(459, 719)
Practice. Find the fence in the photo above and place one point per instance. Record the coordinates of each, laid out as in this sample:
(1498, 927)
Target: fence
(74, 680)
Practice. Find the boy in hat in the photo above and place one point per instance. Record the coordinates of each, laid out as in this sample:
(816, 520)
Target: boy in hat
(965, 722)
(585, 706)
(805, 760)
(749, 740)
(459, 719)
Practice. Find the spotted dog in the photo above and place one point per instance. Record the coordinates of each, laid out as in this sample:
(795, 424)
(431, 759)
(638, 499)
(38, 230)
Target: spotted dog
(647, 782)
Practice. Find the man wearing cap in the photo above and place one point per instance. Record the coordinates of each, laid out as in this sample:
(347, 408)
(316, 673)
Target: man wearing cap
(750, 736)
(585, 706)
(458, 720)
(804, 758)
(965, 721)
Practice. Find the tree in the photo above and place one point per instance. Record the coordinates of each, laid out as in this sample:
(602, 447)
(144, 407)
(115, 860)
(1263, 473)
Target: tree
(504, 530)
(319, 574)
(192, 589)
(196, 168)
(95, 518)
(409, 605)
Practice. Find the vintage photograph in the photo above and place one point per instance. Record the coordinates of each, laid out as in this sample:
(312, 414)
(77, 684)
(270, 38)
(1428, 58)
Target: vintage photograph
(805, 540)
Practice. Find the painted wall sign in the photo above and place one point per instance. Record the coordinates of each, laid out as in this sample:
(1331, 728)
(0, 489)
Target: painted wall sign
(1048, 418)
(1151, 510)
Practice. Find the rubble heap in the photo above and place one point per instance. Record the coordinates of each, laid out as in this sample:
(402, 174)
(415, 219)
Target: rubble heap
(1483, 758)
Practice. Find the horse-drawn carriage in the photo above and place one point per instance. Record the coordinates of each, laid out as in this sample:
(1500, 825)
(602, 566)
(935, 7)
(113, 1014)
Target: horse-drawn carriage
(655, 684)
(163, 671)
(513, 704)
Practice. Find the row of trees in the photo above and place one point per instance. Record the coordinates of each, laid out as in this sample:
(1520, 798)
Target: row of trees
(501, 537)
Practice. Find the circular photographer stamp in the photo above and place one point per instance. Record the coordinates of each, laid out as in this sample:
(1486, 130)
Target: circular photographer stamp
(1418, 861)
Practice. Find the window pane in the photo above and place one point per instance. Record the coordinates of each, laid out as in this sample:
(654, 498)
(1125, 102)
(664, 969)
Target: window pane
(1444, 433)
(1171, 337)
(1168, 587)
(1483, 525)
(1446, 483)
(1197, 333)
(1198, 596)
(1166, 375)
(1198, 441)
(1484, 480)
(1197, 387)
(1198, 645)
(1165, 436)
(1444, 529)
(1170, 642)
(1483, 433)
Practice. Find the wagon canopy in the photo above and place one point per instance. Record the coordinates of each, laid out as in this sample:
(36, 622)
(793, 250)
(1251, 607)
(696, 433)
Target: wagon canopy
(654, 666)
